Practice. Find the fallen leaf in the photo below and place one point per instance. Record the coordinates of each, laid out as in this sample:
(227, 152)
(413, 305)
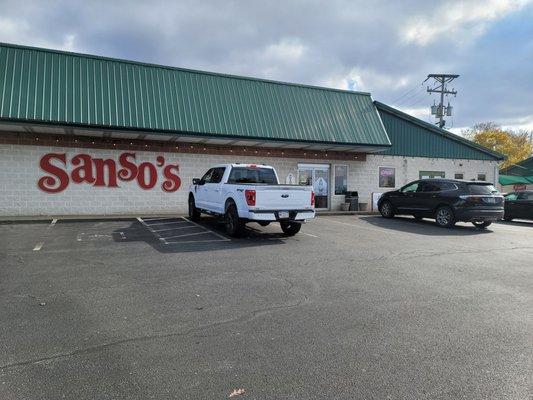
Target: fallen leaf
(236, 392)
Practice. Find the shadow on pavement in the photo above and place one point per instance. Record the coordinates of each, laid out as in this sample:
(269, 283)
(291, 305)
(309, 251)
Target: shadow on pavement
(214, 238)
(425, 227)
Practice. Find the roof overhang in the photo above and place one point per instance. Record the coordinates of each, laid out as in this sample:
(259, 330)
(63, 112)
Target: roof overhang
(179, 137)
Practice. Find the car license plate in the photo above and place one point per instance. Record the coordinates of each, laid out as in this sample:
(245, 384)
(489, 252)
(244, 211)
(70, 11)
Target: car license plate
(490, 199)
(283, 214)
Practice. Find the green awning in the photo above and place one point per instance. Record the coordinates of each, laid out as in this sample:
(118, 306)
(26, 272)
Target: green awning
(515, 180)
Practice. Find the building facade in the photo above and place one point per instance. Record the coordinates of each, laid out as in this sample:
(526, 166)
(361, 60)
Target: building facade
(86, 135)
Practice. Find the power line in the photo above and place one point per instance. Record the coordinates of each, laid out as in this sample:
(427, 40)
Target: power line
(406, 93)
(413, 95)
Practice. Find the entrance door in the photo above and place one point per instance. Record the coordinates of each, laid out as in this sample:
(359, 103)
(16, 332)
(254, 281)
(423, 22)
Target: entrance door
(316, 175)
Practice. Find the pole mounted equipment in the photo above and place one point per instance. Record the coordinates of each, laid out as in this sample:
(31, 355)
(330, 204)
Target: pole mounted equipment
(441, 81)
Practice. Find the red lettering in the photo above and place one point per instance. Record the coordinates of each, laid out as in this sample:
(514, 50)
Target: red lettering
(59, 181)
(173, 181)
(129, 170)
(145, 168)
(83, 173)
(105, 172)
(100, 163)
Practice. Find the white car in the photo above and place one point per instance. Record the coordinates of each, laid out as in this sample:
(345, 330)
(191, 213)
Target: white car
(250, 193)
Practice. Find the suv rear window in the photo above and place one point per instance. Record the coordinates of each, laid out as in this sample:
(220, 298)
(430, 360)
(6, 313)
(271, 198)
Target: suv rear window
(480, 189)
(252, 175)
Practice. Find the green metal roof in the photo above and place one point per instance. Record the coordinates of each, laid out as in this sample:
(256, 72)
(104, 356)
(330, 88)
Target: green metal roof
(48, 86)
(413, 137)
(522, 168)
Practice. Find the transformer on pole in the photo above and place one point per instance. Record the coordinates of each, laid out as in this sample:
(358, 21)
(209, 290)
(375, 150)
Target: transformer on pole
(440, 110)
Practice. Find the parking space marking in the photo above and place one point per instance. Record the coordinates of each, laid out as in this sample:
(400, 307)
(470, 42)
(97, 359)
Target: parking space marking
(151, 230)
(157, 219)
(174, 229)
(308, 234)
(200, 226)
(40, 245)
(159, 233)
(187, 234)
(164, 223)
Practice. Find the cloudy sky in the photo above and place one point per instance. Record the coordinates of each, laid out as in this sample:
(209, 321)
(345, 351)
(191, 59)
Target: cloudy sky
(383, 47)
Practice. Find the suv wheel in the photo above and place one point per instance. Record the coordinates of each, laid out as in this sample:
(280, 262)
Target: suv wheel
(386, 209)
(444, 217)
(290, 228)
(194, 213)
(234, 225)
(482, 225)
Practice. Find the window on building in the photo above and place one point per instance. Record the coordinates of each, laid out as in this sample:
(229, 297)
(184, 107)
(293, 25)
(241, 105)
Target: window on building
(431, 174)
(387, 177)
(481, 177)
(459, 175)
(341, 179)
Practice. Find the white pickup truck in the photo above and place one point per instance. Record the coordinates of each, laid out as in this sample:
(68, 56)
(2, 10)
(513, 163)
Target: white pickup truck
(250, 193)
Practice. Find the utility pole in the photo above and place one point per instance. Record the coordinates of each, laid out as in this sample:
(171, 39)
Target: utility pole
(441, 110)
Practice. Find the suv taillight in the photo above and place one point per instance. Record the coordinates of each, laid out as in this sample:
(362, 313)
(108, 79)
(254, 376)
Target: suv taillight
(312, 199)
(250, 197)
(472, 199)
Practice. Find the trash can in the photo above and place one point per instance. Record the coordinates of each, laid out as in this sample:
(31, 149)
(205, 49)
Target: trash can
(353, 199)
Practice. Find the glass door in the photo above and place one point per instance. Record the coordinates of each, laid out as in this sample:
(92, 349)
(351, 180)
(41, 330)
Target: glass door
(316, 175)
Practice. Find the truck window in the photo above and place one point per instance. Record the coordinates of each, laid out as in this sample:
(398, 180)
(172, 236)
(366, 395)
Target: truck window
(217, 175)
(252, 175)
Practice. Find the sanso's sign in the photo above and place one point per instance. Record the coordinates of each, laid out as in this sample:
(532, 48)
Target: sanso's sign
(105, 172)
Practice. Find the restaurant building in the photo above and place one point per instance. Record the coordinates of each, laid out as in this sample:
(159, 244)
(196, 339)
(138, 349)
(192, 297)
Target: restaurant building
(88, 135)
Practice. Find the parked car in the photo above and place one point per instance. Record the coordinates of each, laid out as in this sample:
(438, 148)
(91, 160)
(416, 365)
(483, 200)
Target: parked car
(518, 205)
(244, 193)
(446, 200)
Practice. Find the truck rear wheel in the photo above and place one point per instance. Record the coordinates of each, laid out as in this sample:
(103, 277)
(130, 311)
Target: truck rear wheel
(234, 225)
(290, 228)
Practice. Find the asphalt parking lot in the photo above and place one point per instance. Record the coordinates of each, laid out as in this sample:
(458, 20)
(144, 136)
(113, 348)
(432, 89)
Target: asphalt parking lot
(352, 307)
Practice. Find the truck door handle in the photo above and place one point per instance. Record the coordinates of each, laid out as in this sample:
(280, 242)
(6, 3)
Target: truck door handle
(217, 190)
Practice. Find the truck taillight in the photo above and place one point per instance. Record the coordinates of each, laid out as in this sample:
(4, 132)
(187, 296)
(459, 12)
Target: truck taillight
(313, 199)
(250, 197)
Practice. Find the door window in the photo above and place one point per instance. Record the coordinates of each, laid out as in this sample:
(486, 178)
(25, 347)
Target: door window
(318, 177)
(410, 188)
(207, 176)
(428, 187)
(217, 175)
(459, 175)
(525, 196)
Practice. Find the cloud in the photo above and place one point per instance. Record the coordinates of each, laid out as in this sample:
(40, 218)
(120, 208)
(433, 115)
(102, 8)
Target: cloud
(458, 21)
(13, 30)
(358, 45)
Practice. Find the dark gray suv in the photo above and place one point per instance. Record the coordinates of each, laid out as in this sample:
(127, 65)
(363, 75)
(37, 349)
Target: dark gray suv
(446, 200)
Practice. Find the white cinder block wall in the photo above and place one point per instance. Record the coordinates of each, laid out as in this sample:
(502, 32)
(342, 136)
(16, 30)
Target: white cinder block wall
(22, 197)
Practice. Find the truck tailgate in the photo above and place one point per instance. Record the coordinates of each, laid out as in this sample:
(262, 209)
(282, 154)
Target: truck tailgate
(283, 197)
